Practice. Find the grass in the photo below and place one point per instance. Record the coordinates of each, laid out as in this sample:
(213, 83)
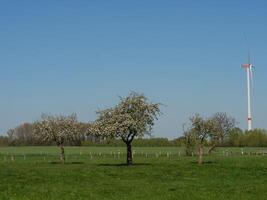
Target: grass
(158, 173)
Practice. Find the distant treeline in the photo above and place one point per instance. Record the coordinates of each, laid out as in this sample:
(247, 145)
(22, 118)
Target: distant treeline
(239, 138)
(23, 136)
(141, 142)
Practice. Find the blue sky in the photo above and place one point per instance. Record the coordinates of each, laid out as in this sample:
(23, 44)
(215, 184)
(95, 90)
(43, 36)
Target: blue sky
(61, 57)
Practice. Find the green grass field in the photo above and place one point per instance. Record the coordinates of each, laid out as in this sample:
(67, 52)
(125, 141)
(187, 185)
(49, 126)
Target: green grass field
(158, 173)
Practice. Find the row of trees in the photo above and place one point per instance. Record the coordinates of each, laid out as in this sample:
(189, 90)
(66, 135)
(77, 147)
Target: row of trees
(235, 138)
(133, 118)
(239, 138)
(138, 142)
(19, 137)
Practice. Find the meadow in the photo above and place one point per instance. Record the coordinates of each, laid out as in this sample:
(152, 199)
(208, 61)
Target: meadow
(157, 173)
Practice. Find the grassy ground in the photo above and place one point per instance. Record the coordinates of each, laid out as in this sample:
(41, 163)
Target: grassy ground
(158, 173)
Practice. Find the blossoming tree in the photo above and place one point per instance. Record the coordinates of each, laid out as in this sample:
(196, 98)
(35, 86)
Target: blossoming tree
(58, 129)
(133, 117)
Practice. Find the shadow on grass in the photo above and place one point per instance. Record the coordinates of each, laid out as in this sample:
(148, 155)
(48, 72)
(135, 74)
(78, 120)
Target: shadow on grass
(124, 165)
(66, 163)
(204, 162)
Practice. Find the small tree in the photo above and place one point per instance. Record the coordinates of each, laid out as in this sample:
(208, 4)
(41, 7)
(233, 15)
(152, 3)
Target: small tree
(58, 129)
(199, 131)
(133, 117)
(223, 124)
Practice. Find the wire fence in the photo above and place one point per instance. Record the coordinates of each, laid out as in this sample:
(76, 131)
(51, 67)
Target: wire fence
(119, 155)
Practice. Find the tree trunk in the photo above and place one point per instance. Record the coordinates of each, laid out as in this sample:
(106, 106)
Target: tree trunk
(212, 148)
(200, 155)
(129, 154)
(62, 155)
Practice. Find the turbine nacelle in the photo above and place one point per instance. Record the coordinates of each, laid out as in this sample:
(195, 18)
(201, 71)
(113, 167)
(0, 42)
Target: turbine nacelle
(246, 66)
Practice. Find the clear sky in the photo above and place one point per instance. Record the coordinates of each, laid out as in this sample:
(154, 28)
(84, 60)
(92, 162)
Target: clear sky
(61, 57)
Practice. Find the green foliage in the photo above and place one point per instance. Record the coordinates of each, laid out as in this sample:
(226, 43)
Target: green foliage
(234, 138)
(190, 143)
(153, 142)
(139, 142)
(254, 138)
(4, 141)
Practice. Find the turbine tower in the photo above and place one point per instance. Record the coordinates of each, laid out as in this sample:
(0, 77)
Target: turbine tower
(248, 67)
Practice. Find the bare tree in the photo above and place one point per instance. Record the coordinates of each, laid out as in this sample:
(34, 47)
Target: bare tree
(21, 135)
(223, 124)
(199, 131)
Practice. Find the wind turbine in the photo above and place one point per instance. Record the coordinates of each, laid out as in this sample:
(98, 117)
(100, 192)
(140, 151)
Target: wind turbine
(248, 67)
